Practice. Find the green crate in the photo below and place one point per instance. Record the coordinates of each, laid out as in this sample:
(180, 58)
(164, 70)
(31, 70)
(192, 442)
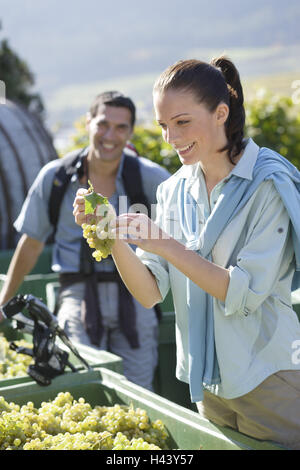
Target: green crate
(94, 357)
(165, 382)
(43, 265)
(34, 284)
(187, 430)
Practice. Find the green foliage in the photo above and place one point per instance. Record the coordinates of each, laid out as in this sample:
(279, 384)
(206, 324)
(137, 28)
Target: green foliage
(18, 79)
(149, 143)
(147, 140)
(272, 122)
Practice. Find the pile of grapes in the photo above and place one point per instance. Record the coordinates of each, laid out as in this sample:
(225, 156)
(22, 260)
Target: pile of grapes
(96, 234)
(13, 364)
(68, 424)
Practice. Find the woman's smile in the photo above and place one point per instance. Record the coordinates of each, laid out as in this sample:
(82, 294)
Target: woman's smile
(183, 151)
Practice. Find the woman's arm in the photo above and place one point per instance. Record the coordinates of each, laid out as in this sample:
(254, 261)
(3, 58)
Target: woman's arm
(138, 229)
(212, 278)
(136, 276)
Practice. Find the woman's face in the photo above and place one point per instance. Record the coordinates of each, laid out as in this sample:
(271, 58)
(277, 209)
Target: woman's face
(195, 133)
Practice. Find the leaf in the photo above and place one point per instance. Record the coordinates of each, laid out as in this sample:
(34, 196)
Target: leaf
(92, 200)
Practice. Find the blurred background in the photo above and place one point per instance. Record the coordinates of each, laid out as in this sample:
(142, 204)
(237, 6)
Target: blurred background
(57, 55)
(73, 50)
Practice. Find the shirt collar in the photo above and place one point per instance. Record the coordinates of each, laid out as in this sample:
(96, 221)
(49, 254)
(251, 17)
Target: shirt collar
(245, 165)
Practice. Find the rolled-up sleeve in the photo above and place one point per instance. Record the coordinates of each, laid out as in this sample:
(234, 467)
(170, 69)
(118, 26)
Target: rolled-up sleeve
(258, 265)
(34, 216)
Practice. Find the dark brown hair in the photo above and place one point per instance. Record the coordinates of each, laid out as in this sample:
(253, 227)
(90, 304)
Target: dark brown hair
(212, 83)
(113, 98)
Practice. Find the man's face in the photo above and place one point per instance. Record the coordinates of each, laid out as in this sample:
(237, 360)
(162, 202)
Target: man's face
(109, 132)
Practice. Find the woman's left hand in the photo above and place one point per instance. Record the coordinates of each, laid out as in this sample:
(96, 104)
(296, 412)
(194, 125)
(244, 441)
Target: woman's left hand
(140, 230)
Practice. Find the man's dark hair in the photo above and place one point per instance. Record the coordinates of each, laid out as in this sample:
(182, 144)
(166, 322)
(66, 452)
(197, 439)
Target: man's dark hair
(113, 98)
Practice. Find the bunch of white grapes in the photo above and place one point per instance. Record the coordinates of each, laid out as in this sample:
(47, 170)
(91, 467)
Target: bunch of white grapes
(68, 424)
(99, 240)
(13, 364)
(98, 235)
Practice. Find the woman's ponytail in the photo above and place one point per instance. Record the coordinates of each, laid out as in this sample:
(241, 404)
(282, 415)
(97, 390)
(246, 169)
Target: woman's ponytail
(236, 120)
(212, 84)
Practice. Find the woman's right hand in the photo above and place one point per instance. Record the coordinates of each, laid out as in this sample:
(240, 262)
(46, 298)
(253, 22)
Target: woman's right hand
(79, 208)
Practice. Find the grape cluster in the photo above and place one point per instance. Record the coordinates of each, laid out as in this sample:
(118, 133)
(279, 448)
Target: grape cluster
(98, 235)
(13, 364)
(99, 239)
(68, 424)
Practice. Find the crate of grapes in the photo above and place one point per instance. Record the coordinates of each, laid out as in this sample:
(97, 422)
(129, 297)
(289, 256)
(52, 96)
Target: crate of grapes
(13, 365)
(101, 410)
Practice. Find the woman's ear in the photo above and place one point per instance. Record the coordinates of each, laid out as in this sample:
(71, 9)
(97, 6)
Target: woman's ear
(222, 113)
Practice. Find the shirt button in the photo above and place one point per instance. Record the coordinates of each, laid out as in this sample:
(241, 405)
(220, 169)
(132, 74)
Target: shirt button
(246, 311)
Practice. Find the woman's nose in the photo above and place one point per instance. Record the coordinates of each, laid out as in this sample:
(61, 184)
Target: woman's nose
(170, 136)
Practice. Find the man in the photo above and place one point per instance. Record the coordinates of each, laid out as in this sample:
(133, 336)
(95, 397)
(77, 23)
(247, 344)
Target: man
(94, 306)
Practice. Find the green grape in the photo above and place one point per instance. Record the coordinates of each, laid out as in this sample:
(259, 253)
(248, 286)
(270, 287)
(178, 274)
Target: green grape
(98, 236)
(68, 424)
(13, 364)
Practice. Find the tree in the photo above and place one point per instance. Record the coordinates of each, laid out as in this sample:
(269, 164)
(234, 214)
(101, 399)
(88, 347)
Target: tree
(273, 121)
(18, 79)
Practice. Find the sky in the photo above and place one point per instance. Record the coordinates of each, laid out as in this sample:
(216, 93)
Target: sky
(75, 47)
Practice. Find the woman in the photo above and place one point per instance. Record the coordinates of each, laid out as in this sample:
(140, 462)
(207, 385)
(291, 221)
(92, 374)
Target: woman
(226, 241)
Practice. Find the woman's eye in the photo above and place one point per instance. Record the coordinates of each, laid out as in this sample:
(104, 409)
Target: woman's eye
(181, 123)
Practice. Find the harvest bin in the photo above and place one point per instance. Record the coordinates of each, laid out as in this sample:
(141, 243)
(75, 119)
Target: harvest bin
(35, 282)
(165, 382)
(187, 430)
(94, 358)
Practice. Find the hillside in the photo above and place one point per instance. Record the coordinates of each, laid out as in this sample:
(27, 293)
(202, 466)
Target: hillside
(78, 48)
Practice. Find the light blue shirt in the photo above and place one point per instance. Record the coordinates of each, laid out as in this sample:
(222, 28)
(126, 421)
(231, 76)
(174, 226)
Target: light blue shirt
(256, 329)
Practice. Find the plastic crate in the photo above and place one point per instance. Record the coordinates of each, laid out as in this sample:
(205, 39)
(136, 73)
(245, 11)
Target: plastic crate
(43, 265)
(165, 382)
(187, 430)
(34, 284)
(94, 357)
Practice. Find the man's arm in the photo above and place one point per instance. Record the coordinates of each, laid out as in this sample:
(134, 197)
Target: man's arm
(23, 261)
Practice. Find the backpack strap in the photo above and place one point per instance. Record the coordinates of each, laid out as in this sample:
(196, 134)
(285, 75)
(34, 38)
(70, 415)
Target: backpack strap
(70, 165)
(132, 180)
